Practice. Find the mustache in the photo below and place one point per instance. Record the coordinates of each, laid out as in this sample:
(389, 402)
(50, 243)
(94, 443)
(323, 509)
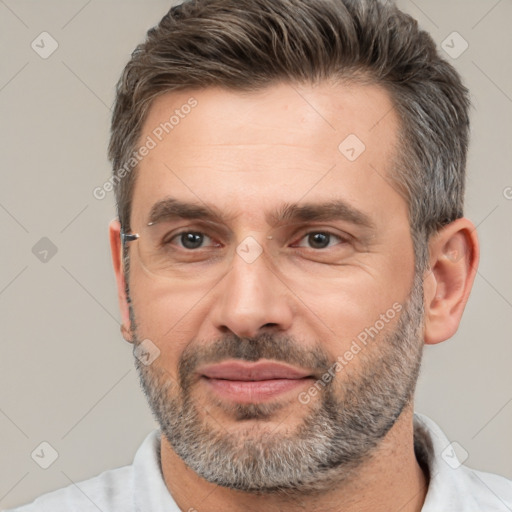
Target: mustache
(264, 346)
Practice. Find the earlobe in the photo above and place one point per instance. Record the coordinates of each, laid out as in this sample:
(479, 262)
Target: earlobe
(127, 334)
(454, 255)
(117, 261)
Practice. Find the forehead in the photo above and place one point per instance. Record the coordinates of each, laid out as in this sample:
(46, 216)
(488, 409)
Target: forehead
(249, 150)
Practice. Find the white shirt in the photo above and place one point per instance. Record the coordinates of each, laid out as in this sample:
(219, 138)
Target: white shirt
(140, 487)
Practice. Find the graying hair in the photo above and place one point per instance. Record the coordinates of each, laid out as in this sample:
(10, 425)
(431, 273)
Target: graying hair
(247, 45)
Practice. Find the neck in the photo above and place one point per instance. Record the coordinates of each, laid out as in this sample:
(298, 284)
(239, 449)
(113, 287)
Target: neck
(391, 479)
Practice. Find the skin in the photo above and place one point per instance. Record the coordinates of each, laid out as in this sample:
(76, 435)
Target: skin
(247, 154)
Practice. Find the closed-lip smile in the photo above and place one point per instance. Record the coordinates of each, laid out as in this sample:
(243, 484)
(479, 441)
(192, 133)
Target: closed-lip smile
(249, 382)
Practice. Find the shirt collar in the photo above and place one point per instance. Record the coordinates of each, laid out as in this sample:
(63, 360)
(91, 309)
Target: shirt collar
(150, 493)
(453, 486)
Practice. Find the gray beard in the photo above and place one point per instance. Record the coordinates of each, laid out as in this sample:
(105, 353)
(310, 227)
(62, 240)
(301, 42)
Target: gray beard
(347, 419)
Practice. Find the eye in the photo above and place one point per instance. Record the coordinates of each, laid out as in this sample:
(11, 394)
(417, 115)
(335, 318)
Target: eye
(194, 240)
(321, 239)
(190, 240)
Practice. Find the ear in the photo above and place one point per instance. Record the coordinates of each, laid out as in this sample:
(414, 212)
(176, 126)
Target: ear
(117, 260)
(454, 255)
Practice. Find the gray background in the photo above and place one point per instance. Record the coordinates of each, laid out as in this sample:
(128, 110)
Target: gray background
(67, 377)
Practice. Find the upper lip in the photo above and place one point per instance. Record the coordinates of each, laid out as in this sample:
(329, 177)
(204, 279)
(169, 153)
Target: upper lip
(238, 370)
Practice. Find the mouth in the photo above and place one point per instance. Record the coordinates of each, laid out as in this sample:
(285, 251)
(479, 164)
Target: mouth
(246, 382)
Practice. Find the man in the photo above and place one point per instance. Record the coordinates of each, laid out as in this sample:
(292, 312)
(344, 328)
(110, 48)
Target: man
(290, 180)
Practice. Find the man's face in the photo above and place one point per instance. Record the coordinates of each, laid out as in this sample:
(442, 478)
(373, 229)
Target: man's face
(268, 281)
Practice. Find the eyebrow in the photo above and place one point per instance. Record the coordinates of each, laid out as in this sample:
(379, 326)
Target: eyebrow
(337, 209)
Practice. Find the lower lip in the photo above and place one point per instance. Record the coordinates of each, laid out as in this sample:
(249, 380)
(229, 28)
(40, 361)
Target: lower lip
(255, 390)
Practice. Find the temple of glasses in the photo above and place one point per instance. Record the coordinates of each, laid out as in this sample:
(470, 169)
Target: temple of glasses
(128, 237)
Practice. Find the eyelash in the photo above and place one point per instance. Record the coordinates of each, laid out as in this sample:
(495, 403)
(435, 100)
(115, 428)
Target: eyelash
(343, 240)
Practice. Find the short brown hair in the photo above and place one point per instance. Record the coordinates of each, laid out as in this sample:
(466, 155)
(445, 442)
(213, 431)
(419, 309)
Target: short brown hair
(251, 44)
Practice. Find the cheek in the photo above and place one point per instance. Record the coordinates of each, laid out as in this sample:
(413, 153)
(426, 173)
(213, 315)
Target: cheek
(167, 316)
(361, 306)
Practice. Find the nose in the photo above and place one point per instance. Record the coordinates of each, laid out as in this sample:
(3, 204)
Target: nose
(252, 297)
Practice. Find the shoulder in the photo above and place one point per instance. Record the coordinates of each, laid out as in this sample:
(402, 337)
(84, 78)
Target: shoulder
(108, 491)
(453, 485)
(488, 491)
(114, 490)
